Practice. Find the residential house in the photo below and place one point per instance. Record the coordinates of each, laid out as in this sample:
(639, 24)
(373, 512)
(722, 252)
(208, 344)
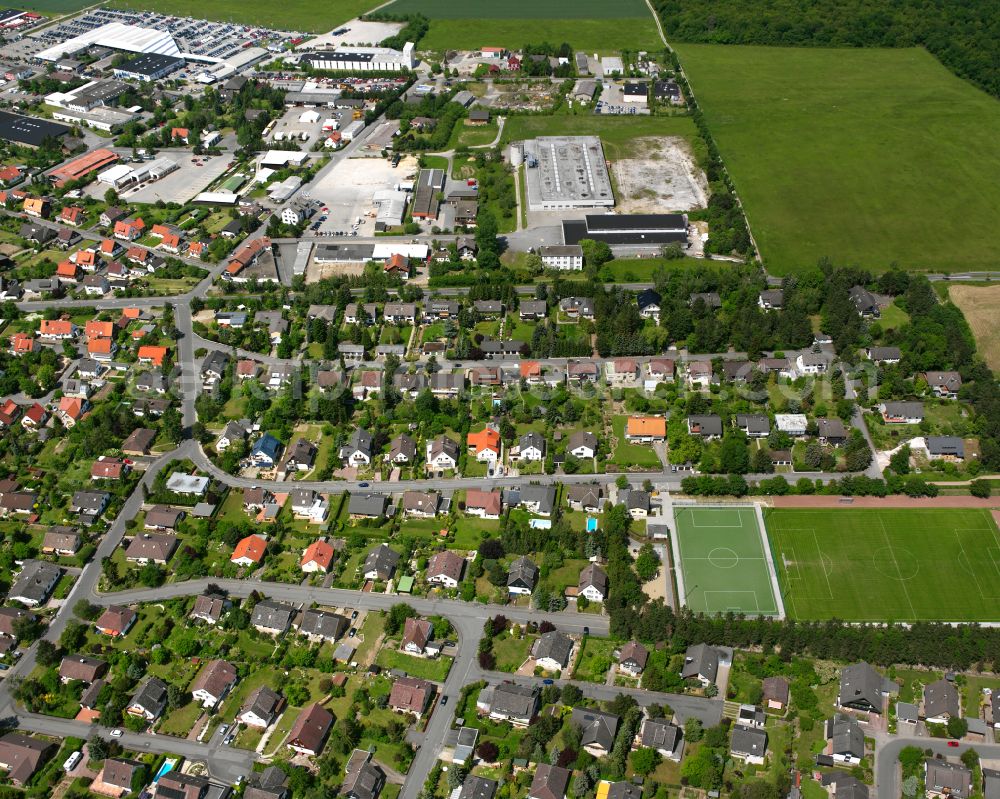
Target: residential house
(317, 557)
(139, 442)
(421, 503)
(445, 569)
(530, 447)
(416, 634)
(484, 504)
(597, 730)
(812, 363)
(213, 683)
(865, 302)
(863, 688)
(249, 551)
(522, 577)
(155, 548)
(366, 506)
(265, 452)
(771, 299)
(262, 708)
(364, 777)
(902, 412)
(748, 745)
(632, 659)
(160, 517)
(411, 695)
(150, 700)
(845, 739)
(947, 448)
(831, 431)
(320, 625)
(533, 310)
(380, 563)
(62, 541)
(552, 650)
(649, 301)
(358, 449)
(585, 497)
(884, 354)
(945, 779)
(21, 756)
(646, 429)
(116, 621)
(35, 583)
(309, 732)
(701, 663)
(272, 617)
(941, 702)
(81, 668)
(593, 583)
(402, 450)
(209, 608)
(510, 702)
(661, 735)
(537, 499)
(775, 693)
(708, 426)
(755, 425)
(944, 384)
(485, 445)
(549, 782)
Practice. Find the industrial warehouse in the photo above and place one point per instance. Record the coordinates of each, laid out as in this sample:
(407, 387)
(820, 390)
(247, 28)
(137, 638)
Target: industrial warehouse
(565, 172)
(361, 59)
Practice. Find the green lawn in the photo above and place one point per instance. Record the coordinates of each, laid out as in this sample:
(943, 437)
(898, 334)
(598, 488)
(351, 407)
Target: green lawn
(641, 270)
(847, 153)
(180, 721)
(427, 668)
(887, 565)
(53, 7)
(638, 455)
(589, 25)
(511, 652)
(299, 15)
(617, 133)
(594, 661)
(470, 530)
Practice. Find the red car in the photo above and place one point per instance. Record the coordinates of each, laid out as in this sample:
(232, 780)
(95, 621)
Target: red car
(952, 743)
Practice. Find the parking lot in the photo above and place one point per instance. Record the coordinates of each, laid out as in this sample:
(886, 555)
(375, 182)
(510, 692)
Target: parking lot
(181, 185)
(612, 102)
(215, 40)
(347, 189)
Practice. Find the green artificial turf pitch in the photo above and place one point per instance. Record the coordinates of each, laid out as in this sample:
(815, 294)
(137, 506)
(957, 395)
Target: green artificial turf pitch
(887, 565)
(723, 561)
(868, 157)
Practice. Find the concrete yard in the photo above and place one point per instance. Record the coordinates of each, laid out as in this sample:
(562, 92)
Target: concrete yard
(661, 178)
(181, 185)
(347, 190)
(357, 33)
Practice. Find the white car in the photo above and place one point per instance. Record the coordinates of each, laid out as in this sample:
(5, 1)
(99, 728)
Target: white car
(116, 733)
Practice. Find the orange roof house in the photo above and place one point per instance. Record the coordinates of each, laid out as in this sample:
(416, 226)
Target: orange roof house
(22, 344)
(95, 329)
(70, 410)
(180, 133)
(9, 174)
(67, 270)
(171, 241)
(247, 255)
(109, 247)
(646, 428)
(153, 355)
(398, 263)
(86, 258)
(317, 557)
(196, 248)
(56, 328)
(100, 346)
(159, 230)
(131, 313)
(249, 551)
(129, 229)
(530, 370)
(36, 206)
(485, 441)
(71, 215)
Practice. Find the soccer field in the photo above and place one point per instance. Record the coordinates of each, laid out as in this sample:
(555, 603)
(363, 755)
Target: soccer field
(723, 561)
(887, 565)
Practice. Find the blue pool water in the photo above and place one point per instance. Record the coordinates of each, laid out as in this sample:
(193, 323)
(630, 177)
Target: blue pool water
(167, 766)
(591, 524)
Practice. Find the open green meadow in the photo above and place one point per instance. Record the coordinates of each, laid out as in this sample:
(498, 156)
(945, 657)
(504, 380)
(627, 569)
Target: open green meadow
(723, 561)
(887, 565)
(617, 133)
(587, 25)
(867, 156)
(308, 16)
(52, 8)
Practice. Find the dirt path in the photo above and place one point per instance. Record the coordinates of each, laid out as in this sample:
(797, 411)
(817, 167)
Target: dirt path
(894, 501)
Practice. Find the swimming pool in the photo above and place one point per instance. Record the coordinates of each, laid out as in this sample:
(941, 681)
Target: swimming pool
(591, 524)
(168, 765)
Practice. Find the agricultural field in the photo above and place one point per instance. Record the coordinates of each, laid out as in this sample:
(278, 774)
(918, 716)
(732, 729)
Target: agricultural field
(296, 15)
(52, 8)
(850, 153)
(887, 565)
(589, 25)
(981, 307)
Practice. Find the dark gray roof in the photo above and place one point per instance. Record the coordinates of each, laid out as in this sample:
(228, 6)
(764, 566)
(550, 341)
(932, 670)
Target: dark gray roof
(151, 696)
(624, 790)
(861, 686)
(941, 699)
(545, 496)
(846, 735)
(35, 581)
(597, 728)
(909, 410)
(701, 660)
(272, 615)
(478, 788)
(517, 701)
(554, 645)
(707, 424)
(660, 734)
(322, 623)
(831, 428)
(382, 560)
(951, 778)
(753, 422)
(945, 445)
(748, 741)
(847, 786)
(523, 572)
(372, 505)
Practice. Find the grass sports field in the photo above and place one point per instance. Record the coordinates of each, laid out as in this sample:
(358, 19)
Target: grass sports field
(851, 153)
(887, 565)
(723, 561)
(587, 25)
(295, 15)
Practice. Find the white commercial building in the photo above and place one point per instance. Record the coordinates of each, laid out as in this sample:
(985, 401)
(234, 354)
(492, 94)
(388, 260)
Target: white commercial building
(123, 176)
(362, 59)
(562, 256)
(115, 36)
(282, 158)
